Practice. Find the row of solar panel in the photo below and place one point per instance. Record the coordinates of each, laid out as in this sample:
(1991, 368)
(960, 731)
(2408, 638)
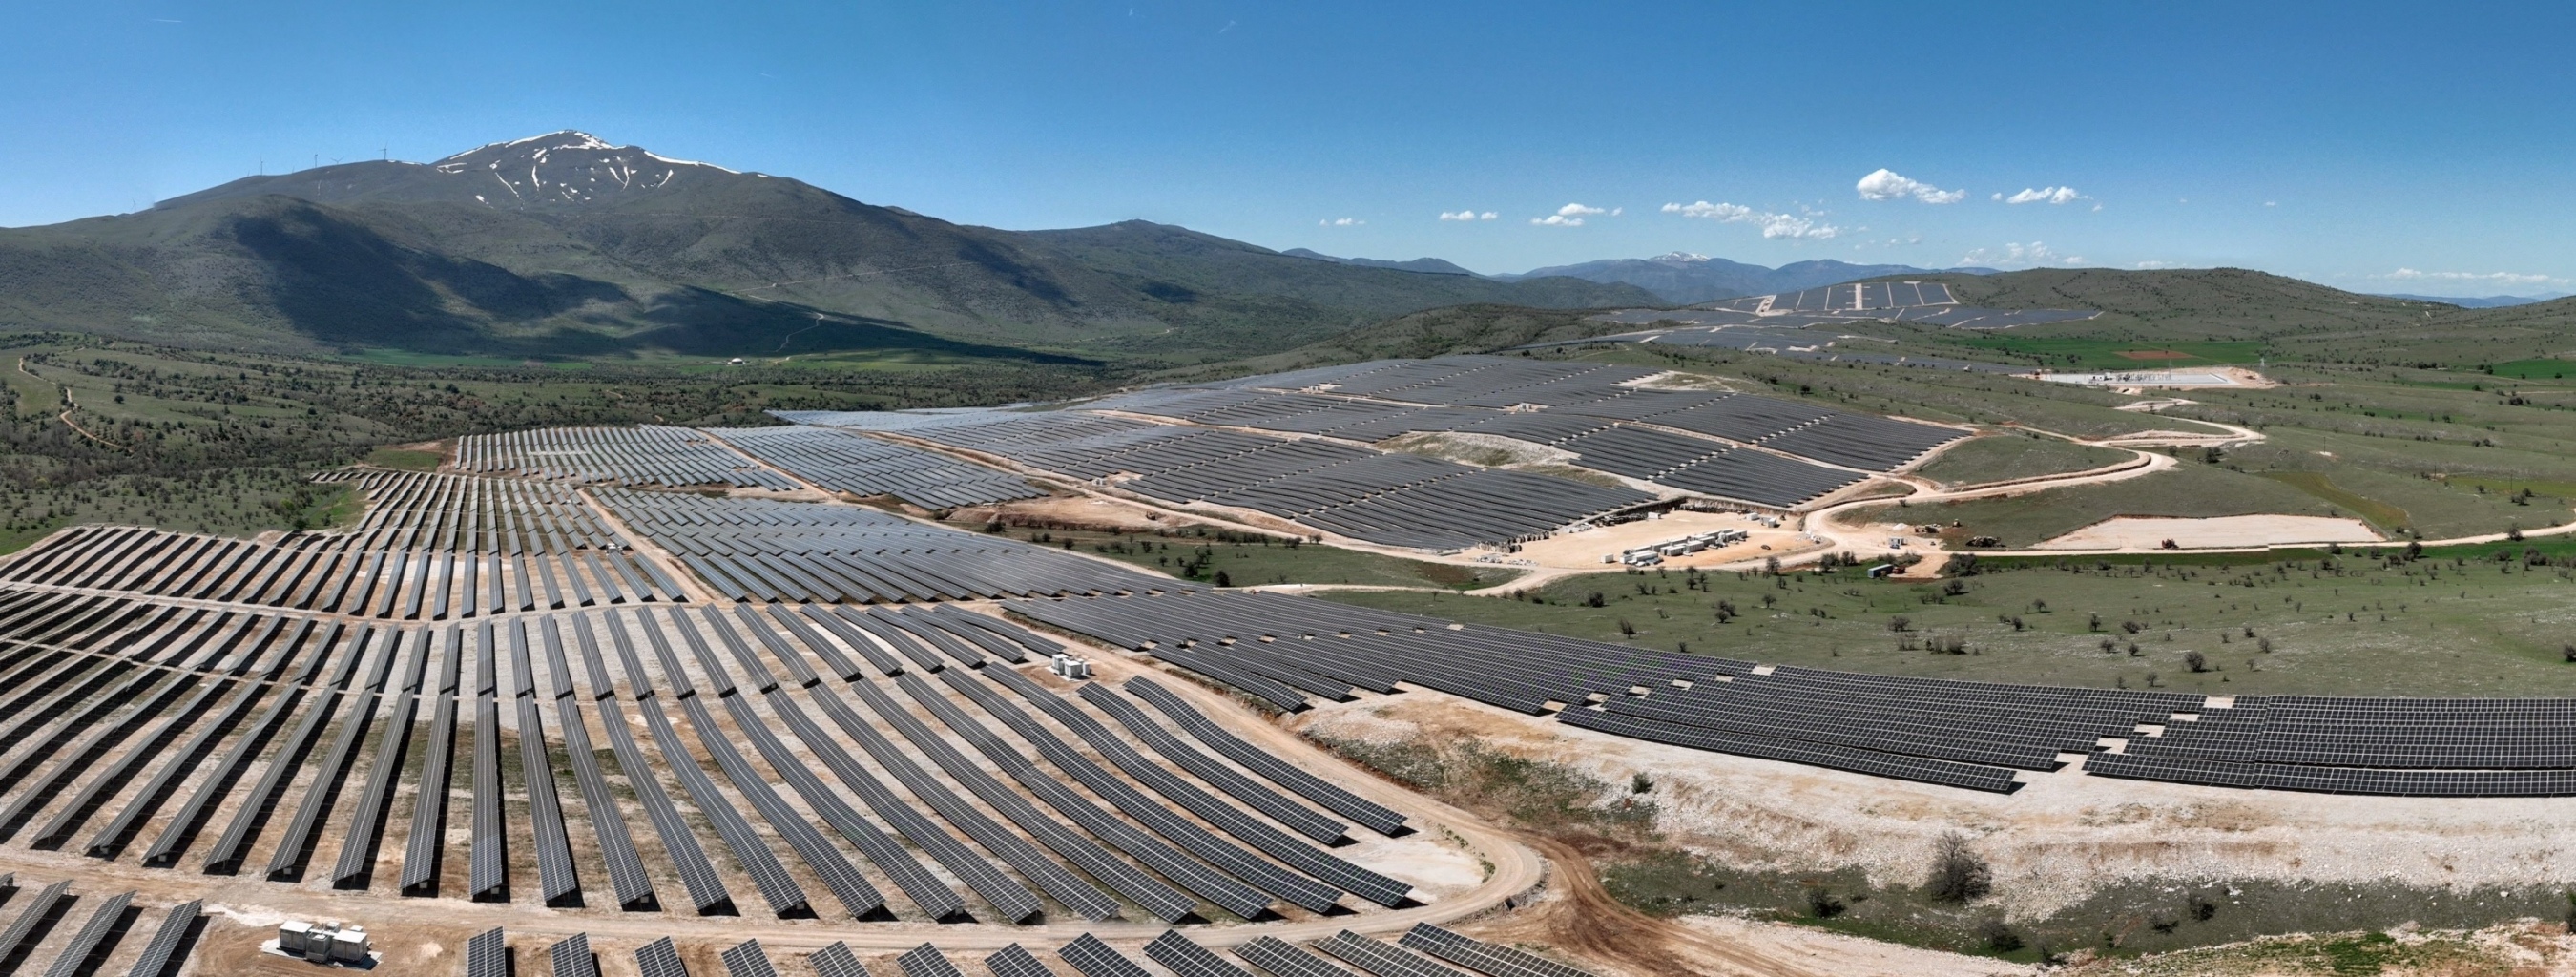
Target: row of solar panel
(647, 454)
(752, 549)
(318, 575)
(840, 461)
(1417, 954)
(1965, 734)
(455, 513)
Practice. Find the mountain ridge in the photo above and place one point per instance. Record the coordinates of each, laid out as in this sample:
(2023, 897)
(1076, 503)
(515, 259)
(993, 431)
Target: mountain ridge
(1683, 278)
(567, 245)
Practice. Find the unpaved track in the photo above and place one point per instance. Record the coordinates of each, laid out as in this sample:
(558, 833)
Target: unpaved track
(1591, 923)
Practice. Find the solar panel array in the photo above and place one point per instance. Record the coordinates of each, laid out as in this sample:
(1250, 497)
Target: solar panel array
(757, 549)
(1403, 500)
(841, 461)
(431, 548)
(2422, 747)
(1689, 440)
(649, 454)
(1962, 734)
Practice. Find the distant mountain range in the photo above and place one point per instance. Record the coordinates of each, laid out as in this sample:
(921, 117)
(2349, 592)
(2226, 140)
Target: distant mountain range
(2488, 302)
(564, 244)
(1679, 278)
(1427, 266)
(1683, 278)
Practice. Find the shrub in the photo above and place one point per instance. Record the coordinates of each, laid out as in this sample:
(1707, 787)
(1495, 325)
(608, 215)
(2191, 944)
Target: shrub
(1959, 874)
(1998, 937)
(2195, 661)
(1900, 624)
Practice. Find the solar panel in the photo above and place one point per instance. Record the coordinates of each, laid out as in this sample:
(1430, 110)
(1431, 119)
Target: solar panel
(1380, 959)
(835, 960)
(486, 955)
(747, 959)
(27, 918)
(1016, 961)
(571, 957)
(1180, 956)
(1489, 958)
(660, 959)
(922, 961)
(106, 919)
(1092, 958)
(1272, 954)
(174, 928)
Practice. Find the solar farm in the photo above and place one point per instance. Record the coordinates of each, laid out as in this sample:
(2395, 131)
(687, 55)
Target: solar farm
(664, 700)
(1807, 324)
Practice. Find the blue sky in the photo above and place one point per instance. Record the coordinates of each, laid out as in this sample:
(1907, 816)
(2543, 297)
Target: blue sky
(2421, 148)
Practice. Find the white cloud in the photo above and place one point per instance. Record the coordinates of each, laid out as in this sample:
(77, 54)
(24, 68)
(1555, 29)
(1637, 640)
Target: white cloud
(1727, 213)
(2271, 203)
(1341, 222)
(1787, 225)
(2044, 195)
(2490, 278)
(2032, 255)
(1468, 215)
(1773, 225)
(2152, 265)
(1885, 184)
(1570, 215)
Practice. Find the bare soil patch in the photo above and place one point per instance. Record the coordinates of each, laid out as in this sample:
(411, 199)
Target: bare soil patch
(2150, 532)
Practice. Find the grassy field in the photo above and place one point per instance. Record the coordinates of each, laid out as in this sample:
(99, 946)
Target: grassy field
(404, 459)
(1228, 560)
(237, 502)
(2006, 457)
(2454, 622)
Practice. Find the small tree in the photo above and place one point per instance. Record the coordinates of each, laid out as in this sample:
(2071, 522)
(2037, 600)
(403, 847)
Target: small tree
(2196, 661)
(1998, 937)
(1639, 783)
(1823, 903)
(2094, 624)
(1224, 579)
(1900, 624)
(1959, 874)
